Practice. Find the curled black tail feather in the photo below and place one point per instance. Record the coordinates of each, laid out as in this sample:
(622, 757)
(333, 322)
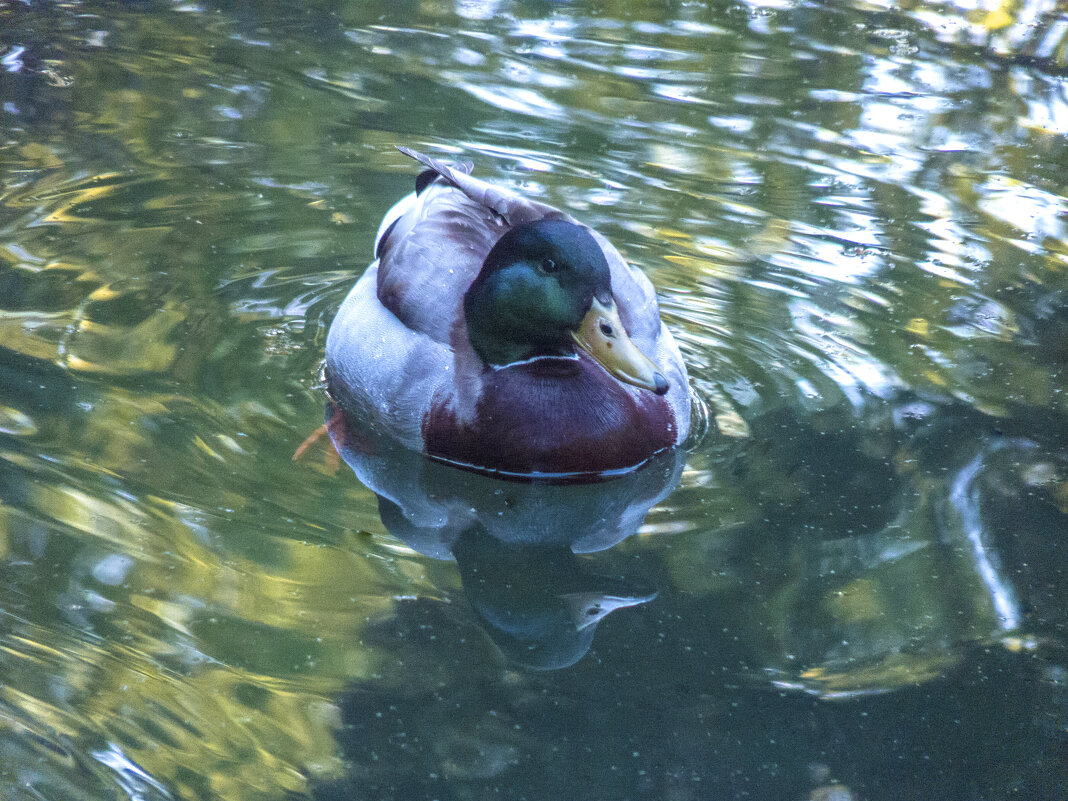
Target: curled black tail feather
(514, 210)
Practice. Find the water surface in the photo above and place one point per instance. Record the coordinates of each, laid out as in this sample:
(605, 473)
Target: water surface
(855, 217)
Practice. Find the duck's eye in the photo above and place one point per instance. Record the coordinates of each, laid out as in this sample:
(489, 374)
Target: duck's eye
(549, 266)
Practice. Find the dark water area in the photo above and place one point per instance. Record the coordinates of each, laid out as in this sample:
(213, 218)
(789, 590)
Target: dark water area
(852, 582)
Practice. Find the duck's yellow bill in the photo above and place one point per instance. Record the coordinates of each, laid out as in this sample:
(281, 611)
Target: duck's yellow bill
(604, 338)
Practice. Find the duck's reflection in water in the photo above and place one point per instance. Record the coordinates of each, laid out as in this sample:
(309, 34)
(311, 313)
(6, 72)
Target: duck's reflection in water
(515, 540)
(906, 564)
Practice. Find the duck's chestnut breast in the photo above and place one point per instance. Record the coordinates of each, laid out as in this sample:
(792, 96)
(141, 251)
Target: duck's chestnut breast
(552, 415)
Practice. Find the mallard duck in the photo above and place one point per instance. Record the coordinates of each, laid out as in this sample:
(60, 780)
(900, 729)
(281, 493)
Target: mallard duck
(497, 332)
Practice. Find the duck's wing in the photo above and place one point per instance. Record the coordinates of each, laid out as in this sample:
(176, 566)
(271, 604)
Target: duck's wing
(431, 245)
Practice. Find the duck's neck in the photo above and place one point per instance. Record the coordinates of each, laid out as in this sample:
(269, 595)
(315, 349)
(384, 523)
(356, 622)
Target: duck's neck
(500, 325)
(497, 350)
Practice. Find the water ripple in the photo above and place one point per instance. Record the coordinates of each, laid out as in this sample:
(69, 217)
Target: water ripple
(855, 221)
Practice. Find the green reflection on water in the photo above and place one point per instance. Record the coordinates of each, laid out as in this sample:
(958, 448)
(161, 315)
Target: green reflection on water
(855, 217)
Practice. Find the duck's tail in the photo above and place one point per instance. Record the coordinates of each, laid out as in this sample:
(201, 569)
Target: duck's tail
(514, 209)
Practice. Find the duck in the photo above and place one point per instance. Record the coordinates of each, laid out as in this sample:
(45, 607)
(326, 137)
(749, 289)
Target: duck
(496, 332)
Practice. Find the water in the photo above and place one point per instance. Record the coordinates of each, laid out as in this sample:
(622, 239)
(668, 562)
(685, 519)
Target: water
(855, 219)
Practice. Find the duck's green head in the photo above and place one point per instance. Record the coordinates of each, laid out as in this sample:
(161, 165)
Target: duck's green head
(545, 288)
